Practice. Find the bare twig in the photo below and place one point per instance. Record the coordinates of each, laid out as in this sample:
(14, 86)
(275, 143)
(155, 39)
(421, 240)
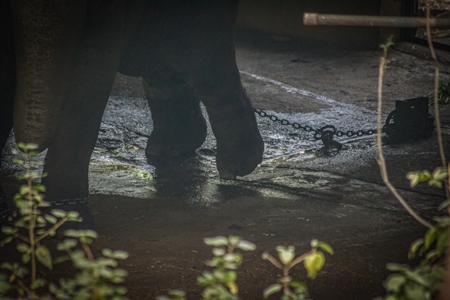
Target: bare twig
(381, 161)
(435, 99)
(436, 88)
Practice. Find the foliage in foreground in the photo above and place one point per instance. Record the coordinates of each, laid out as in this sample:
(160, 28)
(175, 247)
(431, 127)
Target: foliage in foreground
(424, 280)
(220, 283)
(97, 278)
(100, 278)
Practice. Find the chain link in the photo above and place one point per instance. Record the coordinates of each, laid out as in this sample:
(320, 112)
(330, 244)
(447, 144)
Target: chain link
(318, 133)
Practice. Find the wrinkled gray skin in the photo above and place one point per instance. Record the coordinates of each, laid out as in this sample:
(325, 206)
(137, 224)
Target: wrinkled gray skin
(58, 62)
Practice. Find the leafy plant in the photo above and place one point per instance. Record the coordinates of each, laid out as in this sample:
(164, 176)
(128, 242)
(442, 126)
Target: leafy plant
(423, 281)
(97, 277)
(220, 284)
(313, 262)
(443, 95)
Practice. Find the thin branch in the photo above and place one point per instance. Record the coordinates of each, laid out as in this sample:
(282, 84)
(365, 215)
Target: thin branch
(272, 259)
(435, 98)
(381, 161)
(53, 228)
(88, 251)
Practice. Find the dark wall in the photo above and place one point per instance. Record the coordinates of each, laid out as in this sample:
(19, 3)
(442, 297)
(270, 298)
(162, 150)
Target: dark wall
(285, 17)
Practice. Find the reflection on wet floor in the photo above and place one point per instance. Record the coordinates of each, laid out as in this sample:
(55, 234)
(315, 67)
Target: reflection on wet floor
(119, 166)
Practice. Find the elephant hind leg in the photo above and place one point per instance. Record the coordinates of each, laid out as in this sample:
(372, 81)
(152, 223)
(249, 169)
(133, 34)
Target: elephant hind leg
(179, 127)
(239, 143)
(7, 73)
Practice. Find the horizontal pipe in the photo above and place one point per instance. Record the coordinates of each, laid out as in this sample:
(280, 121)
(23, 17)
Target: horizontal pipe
(371, 21)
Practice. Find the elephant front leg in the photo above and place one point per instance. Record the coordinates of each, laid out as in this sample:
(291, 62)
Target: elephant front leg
(7, 74)
(67, 159)
(239, 143)
(179, 127)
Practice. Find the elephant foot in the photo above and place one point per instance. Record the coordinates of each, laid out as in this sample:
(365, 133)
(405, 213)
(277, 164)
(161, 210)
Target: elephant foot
(240, 146)
(241, 157)
(179, 140)
(178, 130)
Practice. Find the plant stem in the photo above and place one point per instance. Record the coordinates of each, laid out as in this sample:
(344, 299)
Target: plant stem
(436, 87)
(32, 222)
(274, 261)
(88, 251)
(299, 259)
(381, 161)
(53, 228)
(435, 100)
(29, 292)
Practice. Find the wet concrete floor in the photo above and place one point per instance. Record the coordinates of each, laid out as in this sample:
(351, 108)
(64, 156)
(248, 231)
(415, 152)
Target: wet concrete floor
(295, 195)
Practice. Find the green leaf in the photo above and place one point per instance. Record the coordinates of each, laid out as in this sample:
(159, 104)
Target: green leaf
(415, 292)
(299, 286)
(272, 289)
(286, 254)
(39, 282)
(58, 213)
(432, 255)
(51, 219)
(444, 204)
(24, 189)
(440, 174)
(397, 267)
(8, 230)
(67, 244)
(441, 243)
(18, 161)
(417, 277)
(218, 251)
(73, 215)
(414, 247)
(233, 240)
(7, 266)
(430, 237)
(25, 146)
(40, 220)
(6, 241)
(314, 263)
(394, 283)
(22, 247)
(325, 247)
(107, 252)
(26, 257)
(40, 188)
(87, 233)
(4, 286)
(246, 245)
(44, 256)
(118, 254)
(314, 243)
(216, 241)
(414, 178)
(177, 293)
(61, 259)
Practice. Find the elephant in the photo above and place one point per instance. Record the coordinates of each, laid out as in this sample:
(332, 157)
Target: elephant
(58, 63)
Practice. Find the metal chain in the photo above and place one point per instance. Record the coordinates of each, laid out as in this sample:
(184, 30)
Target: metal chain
(325, 133)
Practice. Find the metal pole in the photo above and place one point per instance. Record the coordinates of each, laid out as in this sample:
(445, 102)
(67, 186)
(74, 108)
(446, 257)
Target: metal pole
(371, 21)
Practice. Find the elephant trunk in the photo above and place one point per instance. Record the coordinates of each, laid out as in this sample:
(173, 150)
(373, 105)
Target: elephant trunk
(46, 35)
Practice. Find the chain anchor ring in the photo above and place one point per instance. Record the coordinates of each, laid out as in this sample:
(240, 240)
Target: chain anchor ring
(408, 122)
(326, 134)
